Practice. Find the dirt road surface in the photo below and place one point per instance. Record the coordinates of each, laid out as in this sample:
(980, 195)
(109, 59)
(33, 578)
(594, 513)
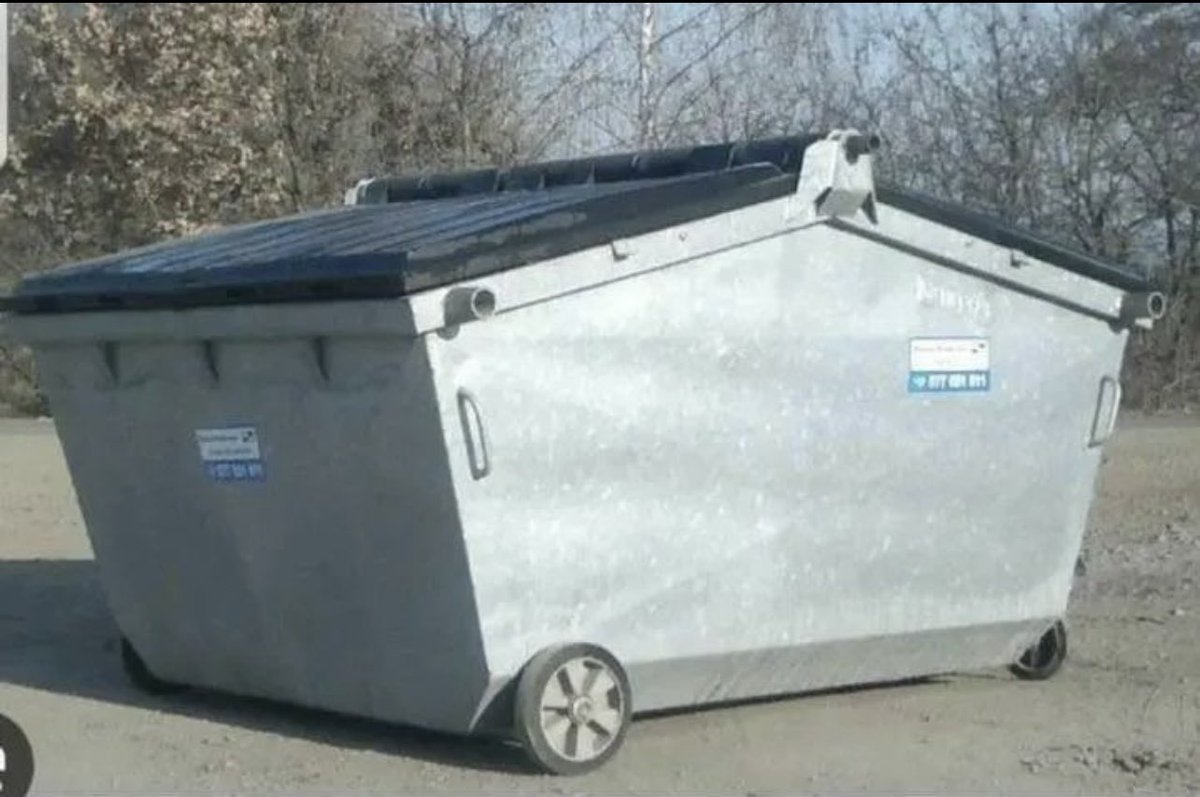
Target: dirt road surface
(1123, 716)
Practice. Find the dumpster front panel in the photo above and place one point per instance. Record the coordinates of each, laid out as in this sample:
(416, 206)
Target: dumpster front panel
(772, 460)
(275, 518)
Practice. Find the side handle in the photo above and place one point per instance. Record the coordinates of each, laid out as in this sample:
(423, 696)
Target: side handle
(474, 434)
(1102, 424)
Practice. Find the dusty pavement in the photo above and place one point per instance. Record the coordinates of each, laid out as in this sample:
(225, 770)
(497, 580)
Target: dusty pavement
(1122, 716)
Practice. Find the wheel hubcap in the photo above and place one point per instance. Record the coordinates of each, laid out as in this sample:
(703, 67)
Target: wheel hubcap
(582, 708)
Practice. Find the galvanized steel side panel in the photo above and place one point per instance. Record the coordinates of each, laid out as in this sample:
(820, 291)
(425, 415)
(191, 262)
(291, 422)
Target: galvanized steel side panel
(725, 457)
(333, 575)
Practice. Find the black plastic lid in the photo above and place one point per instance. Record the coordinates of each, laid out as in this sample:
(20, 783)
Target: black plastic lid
(416, 233)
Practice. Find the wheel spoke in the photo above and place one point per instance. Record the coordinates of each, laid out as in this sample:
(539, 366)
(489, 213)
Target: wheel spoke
(556, 692)
(603, 684)
(571, 742)
(576, 674)
(589, 680)
(608, 720)
(553, 715)
(564, 681)
(602, 735)
(557, 734)
(589, 741)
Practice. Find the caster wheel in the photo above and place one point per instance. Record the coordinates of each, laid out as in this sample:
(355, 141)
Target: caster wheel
(1045, 657)
(140, 674)
(572, 708)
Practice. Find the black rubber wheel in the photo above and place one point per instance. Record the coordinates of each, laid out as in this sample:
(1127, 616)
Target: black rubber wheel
(1045, 657)
(573, 707)
(140, 674)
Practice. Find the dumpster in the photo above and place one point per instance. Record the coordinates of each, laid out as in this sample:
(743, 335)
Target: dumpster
(528, 450)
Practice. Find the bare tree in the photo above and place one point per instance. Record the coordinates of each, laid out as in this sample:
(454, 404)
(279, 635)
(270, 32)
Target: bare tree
(139, 121)
(658, 65)
(1151, 56)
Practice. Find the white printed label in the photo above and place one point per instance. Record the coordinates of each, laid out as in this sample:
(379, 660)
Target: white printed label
(949, 365)
(231, 444)
(948, 354)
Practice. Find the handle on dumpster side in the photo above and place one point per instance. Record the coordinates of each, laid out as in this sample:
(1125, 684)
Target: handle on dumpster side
(473, 434)
(1098, 437)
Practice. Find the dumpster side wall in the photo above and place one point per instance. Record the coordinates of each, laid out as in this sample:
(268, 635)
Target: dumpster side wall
(320, 562)
(778, 467)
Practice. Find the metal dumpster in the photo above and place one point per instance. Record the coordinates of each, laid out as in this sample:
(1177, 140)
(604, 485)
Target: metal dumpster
(529, 450)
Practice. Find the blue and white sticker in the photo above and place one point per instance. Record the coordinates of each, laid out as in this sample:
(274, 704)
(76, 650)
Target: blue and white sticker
(231, 454)
(949, 365)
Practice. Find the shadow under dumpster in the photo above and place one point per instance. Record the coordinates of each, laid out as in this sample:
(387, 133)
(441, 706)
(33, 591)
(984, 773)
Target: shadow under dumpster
(57, 636)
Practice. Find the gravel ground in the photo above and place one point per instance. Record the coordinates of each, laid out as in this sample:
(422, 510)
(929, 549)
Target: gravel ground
(1123, 716)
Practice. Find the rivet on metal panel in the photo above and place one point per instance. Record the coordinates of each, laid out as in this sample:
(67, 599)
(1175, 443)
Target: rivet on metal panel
(321, 353)
(208, 350)
(110, 355)
(1017, 260)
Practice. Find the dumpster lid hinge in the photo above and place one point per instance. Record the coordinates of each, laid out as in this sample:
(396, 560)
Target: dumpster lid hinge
(837, 178)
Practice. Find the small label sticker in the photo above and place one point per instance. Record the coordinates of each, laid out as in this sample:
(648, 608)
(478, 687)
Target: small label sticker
(231, 453)
(949, 365)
